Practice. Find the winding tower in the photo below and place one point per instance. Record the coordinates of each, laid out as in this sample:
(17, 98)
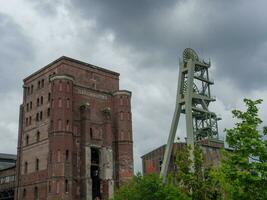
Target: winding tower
(193, 99)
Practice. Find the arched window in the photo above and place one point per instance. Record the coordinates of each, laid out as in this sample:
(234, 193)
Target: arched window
(27, 139)
(27, 107)
(49, 186)
(42, 100)
(37, 164)
(37, 117)
(58, 155)
(68, 103)
(59, 124)
(91, 133)
(39, 84)
(68, 86)
(121, 115)
(60, 86)
(48, 112)
(24, 193)
(37, 136)
(41, 115)
(30, 120)
(38, 102)
(121, 100)
(42, 83)
(25, 167)
(67, 125)
(57, 187)
(67, 155)
(59, 102)
(49, 97)
(66, 185)
(30, 105)
(36, 193)
(31, 89)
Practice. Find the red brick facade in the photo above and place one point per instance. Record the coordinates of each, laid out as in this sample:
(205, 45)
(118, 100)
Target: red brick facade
(75, 133)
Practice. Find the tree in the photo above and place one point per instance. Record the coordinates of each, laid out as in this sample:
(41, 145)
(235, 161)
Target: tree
(243, 173)
(149, 187)
(197, 183)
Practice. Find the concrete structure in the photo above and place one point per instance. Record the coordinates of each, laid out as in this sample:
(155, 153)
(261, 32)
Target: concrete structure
(7, 176)
(75, 133)
(152, 161)
(193, 99)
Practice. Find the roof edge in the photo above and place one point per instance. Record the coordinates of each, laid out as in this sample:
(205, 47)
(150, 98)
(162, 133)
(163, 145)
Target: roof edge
(62, 58)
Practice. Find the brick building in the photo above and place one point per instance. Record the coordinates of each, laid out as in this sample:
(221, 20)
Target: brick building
(75, 133)
(151, 162)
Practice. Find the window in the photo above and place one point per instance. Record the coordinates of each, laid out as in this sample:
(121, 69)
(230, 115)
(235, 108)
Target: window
(57, 187)
(36, 193)
(67, 125)
(49, 186)
(60, 86)
(30, 120)
(37, 136)
(41, 115)
(27, 107)
(121, 101)
(28, 90)
(58, 155)
(37, 164)
(25, 167)
(59, 124)
(59, 102)
(37, 117)
(42, 83)
(27, 121)
(49, 97)
(39, 84)
(31, 89)
(67, 155)
(38, 102)
(91, 133)
(48, 112)
(24, 193)
(30, 105)
(68, 86)
(27, 139)
(68, 103)
(66, 186)
(42, 100)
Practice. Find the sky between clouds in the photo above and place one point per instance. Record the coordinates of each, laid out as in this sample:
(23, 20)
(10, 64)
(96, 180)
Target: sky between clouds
(142, 40)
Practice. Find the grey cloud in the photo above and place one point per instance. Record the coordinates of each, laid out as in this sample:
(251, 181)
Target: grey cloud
(15, 53)
(230, 32)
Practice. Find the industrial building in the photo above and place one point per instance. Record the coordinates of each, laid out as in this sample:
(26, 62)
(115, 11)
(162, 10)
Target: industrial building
(75, 133)
(153, 160)
(7, 176)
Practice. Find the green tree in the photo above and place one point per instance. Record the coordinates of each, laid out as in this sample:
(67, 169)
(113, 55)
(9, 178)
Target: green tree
(243, 173)
(149, 187)
(197, 183)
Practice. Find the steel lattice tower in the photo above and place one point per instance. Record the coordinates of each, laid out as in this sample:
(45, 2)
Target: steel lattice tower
(193, 99)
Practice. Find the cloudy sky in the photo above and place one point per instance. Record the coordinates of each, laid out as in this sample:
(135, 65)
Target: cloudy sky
(143, 41)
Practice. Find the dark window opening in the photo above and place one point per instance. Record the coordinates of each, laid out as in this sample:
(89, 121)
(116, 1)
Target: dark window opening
(48, 112)
(24, 193)
(91, 133)
(30, 120)
(66, 186)
(36, 193)
(49, 97)
(41, 115)
(27, 109)
(27, 139)
(95, 182)
(42, 83)
(37, 117)
(30, 105)
(49, 186)
(37, 136)
(31, 89)
(37, 164)
(42, 100)
(94, 156)
(38, 102)
(67, 155)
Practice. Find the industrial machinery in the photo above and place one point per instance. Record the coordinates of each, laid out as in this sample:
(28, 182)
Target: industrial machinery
(193, 99)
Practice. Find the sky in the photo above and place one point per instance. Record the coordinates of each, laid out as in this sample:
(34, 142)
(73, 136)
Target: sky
(143, 40)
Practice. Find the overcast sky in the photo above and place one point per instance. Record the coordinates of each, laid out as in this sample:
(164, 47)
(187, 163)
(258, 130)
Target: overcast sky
(143, 41)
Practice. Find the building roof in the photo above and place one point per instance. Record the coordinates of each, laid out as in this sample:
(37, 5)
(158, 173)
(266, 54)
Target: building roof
(62, 58)
(7, 160)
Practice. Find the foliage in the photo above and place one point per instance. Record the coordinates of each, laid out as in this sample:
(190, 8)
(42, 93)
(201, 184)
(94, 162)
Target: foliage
(243, 173)
(197, 182)
(149, 187)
